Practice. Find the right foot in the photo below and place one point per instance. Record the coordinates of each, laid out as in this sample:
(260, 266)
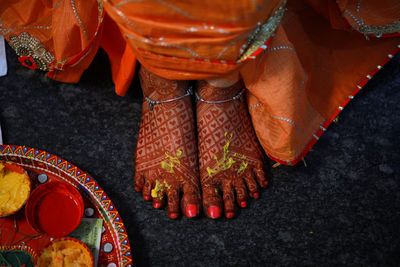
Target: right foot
(229, 155)
(166, 153)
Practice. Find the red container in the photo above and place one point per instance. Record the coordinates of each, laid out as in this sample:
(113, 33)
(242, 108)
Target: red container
(54, 208)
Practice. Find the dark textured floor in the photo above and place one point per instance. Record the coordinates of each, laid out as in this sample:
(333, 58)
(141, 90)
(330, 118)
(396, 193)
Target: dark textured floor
(342, 209)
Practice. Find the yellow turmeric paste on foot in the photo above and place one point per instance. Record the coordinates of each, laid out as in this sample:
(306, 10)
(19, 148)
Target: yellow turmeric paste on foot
(158, 190)
(14, 190)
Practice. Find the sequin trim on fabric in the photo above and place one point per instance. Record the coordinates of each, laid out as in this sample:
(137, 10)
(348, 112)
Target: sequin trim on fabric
(380, 30)
(263, 33)
(27, 46)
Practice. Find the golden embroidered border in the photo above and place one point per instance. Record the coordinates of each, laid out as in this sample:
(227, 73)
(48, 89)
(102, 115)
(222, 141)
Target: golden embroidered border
(380, 30)
(263, 32)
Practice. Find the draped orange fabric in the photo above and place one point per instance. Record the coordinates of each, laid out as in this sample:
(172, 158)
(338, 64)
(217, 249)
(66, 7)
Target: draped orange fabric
(68, 31)
(121, 56)
(187, 40)
(299, 74)
(307, 75)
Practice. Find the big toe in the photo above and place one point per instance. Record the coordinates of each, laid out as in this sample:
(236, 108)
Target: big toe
(212, 202)
(191, 201)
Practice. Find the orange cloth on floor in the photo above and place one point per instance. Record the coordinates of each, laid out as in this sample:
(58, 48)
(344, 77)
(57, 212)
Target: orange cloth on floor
(298, 81)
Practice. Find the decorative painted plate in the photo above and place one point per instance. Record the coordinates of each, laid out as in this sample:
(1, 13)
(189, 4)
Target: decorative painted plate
(18, 238)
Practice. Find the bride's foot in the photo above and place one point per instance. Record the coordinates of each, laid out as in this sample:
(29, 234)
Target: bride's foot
(229, 155)
(166, 151)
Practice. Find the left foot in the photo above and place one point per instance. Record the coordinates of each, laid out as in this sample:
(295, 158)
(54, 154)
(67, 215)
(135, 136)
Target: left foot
(229, 154)
(166, 151)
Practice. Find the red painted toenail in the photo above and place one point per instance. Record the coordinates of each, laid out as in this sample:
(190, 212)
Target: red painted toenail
(157, 205)
(191, 211)
(173, 215)
(214, 212)
(256, 195)
(230, 214)
(243, 204)
(147, 198)
(137, 188)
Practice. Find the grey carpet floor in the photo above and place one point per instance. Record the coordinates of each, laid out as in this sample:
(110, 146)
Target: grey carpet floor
(342, 209)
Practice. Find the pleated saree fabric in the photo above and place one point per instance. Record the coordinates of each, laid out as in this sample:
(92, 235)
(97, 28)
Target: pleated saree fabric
(301, 61)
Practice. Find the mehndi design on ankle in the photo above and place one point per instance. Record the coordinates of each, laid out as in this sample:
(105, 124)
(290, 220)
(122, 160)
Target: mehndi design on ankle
(237, 96)
(157, 102)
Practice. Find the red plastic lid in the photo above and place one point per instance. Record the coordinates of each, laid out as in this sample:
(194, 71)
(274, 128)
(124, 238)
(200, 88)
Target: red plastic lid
(54, 208)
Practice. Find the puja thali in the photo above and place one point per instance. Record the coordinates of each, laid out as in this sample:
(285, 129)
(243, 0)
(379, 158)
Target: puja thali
(112, 246)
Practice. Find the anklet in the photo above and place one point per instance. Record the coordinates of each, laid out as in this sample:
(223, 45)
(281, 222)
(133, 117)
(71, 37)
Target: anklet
(237, 96)
(156, 102)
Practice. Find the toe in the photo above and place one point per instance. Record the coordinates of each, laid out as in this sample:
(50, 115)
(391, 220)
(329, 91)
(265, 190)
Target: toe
(211, 202)
(261, 178)
(138, 181)
(214, 212)
(158, 203)
(192, 210)
(251, 185)
(173, 203)
(229, 199)
(241, 193)
(158, 194)
(147, 190)
(173, 215)
(191, 201)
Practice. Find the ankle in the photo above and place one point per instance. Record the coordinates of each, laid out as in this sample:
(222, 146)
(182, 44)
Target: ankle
(159, 88)
(225, 81)
(210, 93)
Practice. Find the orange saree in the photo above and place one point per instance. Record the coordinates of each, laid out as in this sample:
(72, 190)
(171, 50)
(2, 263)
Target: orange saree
(59, 37)
(301, 61)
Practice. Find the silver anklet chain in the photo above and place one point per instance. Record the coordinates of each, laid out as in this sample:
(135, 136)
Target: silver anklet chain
(237, 96)
(189, 91)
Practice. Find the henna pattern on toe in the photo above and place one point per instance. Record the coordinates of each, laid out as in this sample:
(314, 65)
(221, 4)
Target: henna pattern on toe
(166, 152)
(229, 155)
